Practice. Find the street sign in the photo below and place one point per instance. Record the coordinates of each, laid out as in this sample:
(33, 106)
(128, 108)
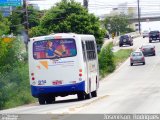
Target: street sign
(10, 2)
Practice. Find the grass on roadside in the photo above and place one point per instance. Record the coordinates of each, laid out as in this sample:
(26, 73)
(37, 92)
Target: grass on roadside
(108, 60)
(121, 55)
(16, 88)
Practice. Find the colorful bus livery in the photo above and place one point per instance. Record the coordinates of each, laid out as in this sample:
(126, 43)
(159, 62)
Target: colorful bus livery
(41, 48)
(63, 64)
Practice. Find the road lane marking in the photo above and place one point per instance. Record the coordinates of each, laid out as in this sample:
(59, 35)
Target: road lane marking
(88, 103)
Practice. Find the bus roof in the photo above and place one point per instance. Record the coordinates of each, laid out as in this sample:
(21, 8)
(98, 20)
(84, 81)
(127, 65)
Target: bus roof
(62, 35)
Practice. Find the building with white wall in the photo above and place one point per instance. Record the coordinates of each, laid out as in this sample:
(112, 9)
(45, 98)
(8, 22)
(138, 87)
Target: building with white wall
(125, 9)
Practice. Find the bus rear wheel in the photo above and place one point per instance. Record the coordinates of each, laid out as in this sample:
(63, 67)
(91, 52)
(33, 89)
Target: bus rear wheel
(41, 100)
(50, 100)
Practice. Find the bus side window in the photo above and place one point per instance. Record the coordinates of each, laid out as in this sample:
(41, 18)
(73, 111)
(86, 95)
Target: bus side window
(90, 48)
(87, 49)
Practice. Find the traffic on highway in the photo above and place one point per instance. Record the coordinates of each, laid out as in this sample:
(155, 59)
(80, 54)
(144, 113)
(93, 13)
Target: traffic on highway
(127, 84)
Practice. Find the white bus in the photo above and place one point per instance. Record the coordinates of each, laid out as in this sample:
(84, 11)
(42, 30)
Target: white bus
(63, 64)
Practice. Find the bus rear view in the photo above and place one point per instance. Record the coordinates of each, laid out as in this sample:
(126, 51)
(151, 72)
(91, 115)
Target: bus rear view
(56, 67)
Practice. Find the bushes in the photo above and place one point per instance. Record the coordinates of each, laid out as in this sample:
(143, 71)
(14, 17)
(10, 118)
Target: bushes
(109, 60)
(106, 60)
(14, 76)
(17, 88)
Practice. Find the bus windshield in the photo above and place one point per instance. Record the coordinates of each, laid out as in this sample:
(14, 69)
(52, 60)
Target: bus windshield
(54, 48)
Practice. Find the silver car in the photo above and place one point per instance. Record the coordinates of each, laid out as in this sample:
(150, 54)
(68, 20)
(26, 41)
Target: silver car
(137, 57)
(145, 33)
(148, 50)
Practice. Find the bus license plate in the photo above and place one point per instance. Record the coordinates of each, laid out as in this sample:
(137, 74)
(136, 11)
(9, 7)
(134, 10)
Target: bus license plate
(57, 82)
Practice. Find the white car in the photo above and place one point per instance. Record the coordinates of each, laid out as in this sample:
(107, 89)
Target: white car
(145, 33)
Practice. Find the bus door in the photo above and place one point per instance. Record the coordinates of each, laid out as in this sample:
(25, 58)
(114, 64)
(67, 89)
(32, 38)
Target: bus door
(85, 58)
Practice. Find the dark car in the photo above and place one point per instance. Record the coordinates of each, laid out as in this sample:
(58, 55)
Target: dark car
(125, 40)
(154, 35)
(148, 50)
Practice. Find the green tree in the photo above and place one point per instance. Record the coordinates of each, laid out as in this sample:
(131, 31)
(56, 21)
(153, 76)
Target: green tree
(8, 51)
(117, 23)
(4, 25)
(70, 16)
(37, 31)
(34, 16)
(17, 18)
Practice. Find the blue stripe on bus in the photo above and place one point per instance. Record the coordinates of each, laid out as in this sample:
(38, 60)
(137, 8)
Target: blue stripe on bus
(38, 90)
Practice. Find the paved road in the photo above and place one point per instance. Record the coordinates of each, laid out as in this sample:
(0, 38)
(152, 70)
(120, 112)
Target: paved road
(131, 89)
(128, 90)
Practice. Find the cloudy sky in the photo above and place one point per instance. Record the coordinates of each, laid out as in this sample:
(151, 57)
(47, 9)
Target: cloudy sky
(99, 7)
(95, 6)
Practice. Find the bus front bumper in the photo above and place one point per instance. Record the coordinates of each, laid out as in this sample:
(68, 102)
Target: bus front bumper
(60, 90)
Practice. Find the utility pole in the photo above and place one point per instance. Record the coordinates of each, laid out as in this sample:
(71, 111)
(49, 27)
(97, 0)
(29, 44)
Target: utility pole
(26, 24)
(139, 23)
(85, 4)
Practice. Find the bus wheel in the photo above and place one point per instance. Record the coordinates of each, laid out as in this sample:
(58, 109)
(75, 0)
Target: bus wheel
(81, 96)
(94, 93)
(49, 100)
(89, 96)
(41, 100)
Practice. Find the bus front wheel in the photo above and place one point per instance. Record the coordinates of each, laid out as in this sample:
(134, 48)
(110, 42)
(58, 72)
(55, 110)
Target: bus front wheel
(94, 93)
(81, 96)
(89, 95)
